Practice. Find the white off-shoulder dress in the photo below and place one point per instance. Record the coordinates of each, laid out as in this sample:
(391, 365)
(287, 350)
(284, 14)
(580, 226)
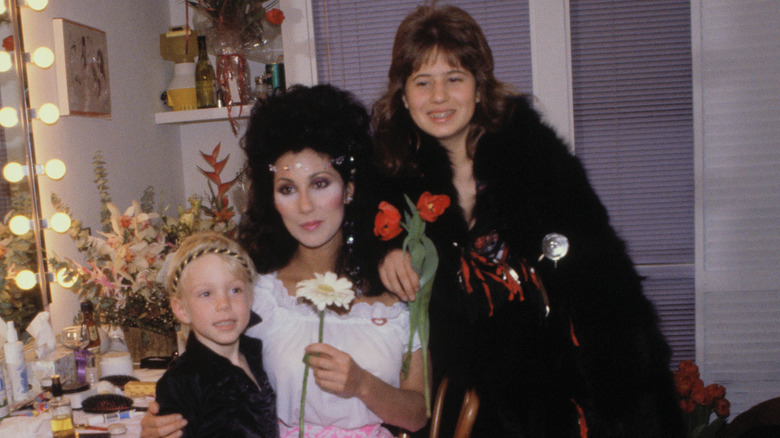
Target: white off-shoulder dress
(375, 335)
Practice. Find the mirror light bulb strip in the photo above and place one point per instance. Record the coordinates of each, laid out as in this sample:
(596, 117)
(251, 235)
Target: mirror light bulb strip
(15, 172)
(37, 5)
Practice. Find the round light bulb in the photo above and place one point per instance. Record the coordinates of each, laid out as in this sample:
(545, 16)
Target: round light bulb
(2, 8)
(62, 274)
(6, 62)
(49, 113)
(8, 117)
(60, 222)
(37, 5)
(55, 169)
(19, 225)
(13, 172)
(43, 57)
(26, 280)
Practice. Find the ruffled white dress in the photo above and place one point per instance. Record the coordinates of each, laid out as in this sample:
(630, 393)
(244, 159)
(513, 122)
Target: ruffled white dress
(375, 335)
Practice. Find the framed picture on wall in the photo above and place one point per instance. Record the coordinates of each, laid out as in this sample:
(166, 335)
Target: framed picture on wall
(82, 69)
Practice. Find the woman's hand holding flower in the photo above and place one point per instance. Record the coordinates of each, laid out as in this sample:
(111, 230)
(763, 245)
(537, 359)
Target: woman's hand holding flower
(335, 371)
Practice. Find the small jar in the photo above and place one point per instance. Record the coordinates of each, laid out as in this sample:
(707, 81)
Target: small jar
(76, 392)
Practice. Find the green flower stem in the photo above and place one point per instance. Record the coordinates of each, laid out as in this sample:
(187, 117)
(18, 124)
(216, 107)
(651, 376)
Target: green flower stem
(306, 377)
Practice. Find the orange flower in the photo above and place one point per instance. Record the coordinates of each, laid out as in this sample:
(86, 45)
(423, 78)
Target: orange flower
(698, 395)
(432, 206)
(687, 405)
(722, 407)
(387, 224)
(688, 368)
(715, 392)
(274, 16)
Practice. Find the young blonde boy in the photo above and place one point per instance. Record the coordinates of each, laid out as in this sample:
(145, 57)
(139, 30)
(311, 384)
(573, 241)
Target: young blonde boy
(218, 385)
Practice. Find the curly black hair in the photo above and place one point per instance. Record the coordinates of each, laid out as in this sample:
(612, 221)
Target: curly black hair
(329, 121)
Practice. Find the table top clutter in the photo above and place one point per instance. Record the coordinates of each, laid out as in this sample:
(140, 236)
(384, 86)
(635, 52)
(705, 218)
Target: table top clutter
(125, 423)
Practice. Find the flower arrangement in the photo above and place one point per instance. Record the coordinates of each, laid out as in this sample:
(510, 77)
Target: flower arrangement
(424, 260)
(699, 402)
(124, 269)
(323, 291)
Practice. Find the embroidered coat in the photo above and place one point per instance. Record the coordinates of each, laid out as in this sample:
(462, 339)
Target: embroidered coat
(598, 354)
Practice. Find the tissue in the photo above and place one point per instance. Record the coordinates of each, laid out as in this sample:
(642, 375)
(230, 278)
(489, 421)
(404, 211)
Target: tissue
(3, 330)
(41, 330)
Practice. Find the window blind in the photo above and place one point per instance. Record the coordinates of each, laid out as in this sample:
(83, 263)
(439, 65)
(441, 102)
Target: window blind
(354, 40)
(633, 128)
(739, 263)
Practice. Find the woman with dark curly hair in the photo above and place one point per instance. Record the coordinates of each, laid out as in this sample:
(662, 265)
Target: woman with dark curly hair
(536, 304)
(310, 211)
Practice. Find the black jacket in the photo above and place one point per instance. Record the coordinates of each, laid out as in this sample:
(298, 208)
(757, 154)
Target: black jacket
(216, 397)
(600, 345)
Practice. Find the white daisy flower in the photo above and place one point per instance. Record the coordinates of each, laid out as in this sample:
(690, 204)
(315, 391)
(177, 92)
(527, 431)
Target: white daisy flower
(326, 290)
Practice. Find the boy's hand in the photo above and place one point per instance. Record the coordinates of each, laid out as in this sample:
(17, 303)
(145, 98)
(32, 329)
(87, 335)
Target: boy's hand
(396, 273)
(166, 426)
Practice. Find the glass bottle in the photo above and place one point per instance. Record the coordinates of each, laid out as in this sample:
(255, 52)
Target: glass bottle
(89, 327)
(61, 411)
(204, 77)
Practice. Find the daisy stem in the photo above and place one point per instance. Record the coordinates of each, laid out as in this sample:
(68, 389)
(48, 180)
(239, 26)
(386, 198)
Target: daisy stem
(301, 428)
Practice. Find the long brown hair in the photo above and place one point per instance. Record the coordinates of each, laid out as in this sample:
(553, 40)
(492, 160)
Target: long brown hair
(424, 33)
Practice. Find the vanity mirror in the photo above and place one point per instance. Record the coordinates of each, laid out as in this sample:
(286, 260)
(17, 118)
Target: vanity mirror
(24, 287)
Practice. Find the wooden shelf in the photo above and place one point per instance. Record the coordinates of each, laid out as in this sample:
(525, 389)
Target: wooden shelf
(201, 115)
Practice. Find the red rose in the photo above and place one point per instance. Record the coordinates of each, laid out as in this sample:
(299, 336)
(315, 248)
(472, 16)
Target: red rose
(274, 16)
(387, 223)
(432, 206)
(687, 405)
(722, 407)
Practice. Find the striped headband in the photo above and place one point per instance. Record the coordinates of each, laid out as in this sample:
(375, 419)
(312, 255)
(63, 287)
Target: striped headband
(209, 250)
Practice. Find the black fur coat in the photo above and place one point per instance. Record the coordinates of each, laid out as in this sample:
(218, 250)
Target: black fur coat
(600, 345)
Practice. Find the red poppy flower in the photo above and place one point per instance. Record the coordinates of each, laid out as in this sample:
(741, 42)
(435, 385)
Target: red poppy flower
(387, 224)
(432, 206)
(274, 16)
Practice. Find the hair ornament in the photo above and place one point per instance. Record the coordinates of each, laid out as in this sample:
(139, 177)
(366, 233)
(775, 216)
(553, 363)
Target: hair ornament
(204, 251)
(298, 165)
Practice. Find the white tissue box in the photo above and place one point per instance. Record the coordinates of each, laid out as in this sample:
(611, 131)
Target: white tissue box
(61, 361)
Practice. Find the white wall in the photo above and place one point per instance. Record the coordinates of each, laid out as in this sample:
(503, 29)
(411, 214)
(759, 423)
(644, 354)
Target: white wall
(138, 152)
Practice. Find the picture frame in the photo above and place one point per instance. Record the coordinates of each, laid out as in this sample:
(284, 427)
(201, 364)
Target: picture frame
(83, 83)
